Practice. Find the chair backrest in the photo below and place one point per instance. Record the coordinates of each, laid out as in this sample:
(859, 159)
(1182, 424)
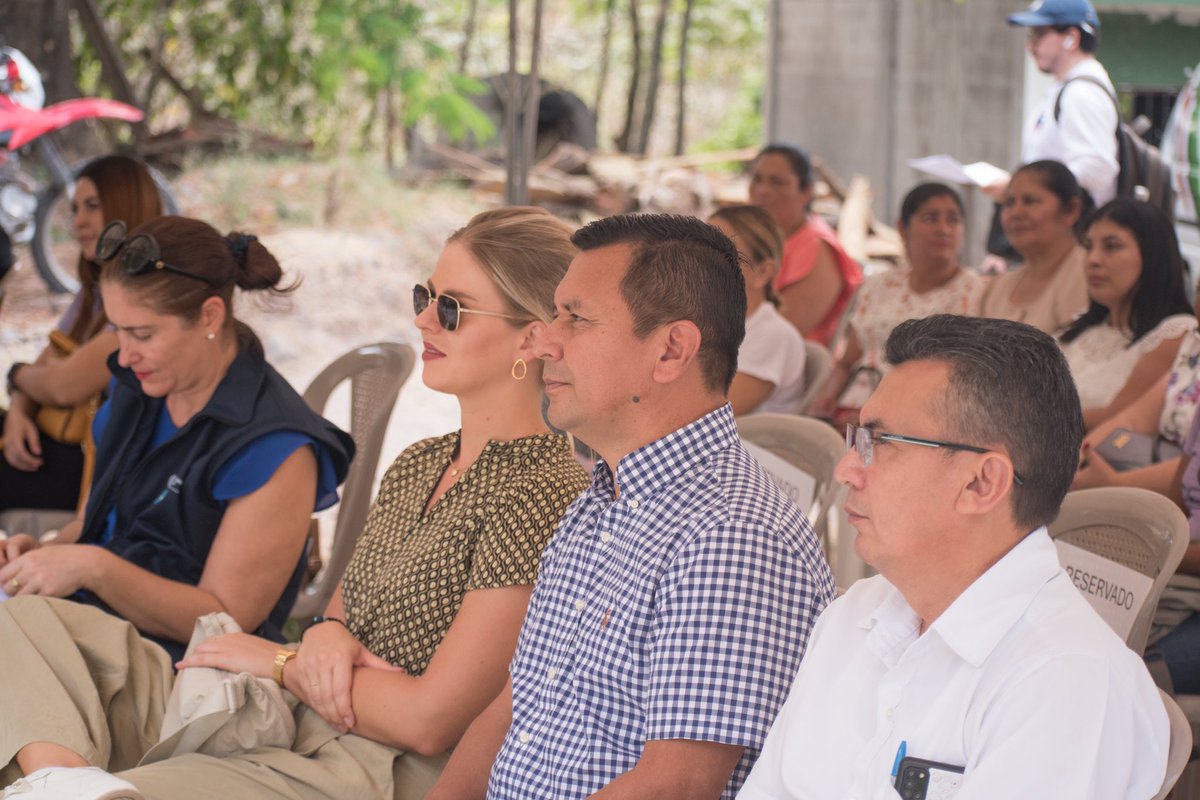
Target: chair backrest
(376, 372)
(1180, 750)
(1123, 545)
(818, 363)
(803, 443)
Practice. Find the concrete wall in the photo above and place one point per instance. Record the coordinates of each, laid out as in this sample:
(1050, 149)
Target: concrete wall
(867, 84)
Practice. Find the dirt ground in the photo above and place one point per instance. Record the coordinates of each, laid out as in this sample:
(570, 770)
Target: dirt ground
(357, 276)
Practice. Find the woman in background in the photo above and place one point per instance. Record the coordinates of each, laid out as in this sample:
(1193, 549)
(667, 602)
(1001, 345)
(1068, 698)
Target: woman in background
(770, 365)
(931, 281)
(1042, 206)
(1139, 312)
(38, 471)
(817, 278)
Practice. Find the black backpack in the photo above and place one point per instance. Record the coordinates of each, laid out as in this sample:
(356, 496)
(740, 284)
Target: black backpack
(1141, 164)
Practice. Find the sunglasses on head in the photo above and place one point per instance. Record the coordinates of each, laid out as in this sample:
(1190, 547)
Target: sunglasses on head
(141, 253)
(449, 310)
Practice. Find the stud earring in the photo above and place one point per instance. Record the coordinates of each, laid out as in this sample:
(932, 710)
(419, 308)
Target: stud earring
(210, 336)
(519, 369)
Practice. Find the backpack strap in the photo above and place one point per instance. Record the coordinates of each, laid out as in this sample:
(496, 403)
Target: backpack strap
(1091, 80)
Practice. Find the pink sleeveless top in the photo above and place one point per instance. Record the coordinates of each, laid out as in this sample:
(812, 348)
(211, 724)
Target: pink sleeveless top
(800, 256)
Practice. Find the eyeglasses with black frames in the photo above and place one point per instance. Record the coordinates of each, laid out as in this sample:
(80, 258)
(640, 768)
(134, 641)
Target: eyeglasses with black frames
(449, 310)
(862, 441)
(141, 253)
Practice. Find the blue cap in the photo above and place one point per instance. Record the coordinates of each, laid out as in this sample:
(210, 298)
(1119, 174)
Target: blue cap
(1079, 13)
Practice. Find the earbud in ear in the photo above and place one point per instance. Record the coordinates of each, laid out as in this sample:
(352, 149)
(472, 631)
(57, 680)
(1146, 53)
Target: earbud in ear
(1068, 42)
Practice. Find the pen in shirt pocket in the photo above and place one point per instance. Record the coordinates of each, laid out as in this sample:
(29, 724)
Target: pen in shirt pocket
(901, 751)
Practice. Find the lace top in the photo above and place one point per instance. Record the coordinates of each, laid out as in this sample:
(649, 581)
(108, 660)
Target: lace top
(1102, 357)
(886, 300)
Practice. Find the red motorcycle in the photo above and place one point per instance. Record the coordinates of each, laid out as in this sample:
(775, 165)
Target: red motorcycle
(33, 211)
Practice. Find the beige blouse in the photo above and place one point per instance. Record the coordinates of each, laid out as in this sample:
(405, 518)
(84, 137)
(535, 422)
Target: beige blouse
(1064, 298)
(410, 569)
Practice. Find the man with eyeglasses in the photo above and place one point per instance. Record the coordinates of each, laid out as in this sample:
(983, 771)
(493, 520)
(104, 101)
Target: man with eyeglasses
(675, 599)
(1076, 121)
(972, 650)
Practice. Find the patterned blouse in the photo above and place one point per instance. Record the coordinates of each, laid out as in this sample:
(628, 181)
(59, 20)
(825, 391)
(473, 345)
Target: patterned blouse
(410, 568)
(885, 300)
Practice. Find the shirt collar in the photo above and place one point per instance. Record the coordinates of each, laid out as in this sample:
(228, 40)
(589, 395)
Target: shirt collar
(651, 467)
(983, 614)
(979, 617)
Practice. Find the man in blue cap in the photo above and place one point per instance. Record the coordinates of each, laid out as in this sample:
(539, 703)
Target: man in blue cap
(1076, 121)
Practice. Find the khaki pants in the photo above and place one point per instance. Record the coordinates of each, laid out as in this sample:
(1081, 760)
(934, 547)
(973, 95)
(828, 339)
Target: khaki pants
(78, 677)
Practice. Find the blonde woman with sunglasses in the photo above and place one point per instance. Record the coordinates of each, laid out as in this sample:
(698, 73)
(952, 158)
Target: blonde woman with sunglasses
(417, 638)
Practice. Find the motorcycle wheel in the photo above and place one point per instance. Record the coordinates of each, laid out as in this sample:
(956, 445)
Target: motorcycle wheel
(55, 253)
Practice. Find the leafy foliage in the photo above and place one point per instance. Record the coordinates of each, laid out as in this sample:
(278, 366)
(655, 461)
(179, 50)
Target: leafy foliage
(295, 68)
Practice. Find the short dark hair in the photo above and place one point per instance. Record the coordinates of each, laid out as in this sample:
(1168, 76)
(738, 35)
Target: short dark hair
(921, 194)
(681, 269)
(1009, 385)
(1159, 291)
(797, 158)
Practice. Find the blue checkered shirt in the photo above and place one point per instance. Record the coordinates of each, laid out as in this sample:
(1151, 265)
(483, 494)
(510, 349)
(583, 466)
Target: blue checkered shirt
(678, 610)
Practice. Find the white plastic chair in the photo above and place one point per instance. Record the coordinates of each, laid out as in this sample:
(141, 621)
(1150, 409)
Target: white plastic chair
(1139, 530)
(1180, 751)
(807, 444)
(375, 372)
(818, 364)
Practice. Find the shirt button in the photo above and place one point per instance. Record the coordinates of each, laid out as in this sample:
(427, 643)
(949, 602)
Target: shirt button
(580, 605)
(552, 673)
(606, 537)
(633, 503)
(525, 737)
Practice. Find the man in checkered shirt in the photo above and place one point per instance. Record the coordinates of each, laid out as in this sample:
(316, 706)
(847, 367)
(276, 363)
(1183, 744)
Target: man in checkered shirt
(675, 600)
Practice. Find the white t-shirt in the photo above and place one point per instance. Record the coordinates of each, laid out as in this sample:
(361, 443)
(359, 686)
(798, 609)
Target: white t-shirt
(1085, 135)
(1019, 681)
(773, 351)
(1102, 359)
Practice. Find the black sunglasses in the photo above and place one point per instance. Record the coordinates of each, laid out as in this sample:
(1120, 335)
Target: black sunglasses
(449, 310)
(141, 255)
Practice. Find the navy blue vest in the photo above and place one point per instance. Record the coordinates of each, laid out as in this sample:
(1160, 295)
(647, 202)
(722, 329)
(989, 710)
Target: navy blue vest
(167, 517)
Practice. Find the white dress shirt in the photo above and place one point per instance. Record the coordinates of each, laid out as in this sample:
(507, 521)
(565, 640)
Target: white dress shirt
(1085, 135)
(1019, 682)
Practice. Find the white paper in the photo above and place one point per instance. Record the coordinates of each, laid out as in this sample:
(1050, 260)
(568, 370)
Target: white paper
(949, 168)
(1116, 592)
(798, 485)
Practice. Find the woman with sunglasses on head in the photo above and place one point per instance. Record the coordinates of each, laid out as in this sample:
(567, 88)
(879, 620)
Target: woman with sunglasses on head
(43, 467)
(209, 467)
(417, 638)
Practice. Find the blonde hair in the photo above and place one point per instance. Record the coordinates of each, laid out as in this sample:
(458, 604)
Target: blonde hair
(759, 239)
(525, 251)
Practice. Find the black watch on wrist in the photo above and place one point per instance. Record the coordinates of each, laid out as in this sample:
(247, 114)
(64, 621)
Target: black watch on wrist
(11, 381)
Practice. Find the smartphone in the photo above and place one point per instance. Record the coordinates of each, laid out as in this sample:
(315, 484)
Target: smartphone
(918, 779)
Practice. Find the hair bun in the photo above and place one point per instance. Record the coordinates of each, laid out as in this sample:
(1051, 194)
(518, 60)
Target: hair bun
(239, 244)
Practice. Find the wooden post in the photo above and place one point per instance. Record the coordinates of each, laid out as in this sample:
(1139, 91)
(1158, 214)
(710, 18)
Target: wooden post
(512, 179)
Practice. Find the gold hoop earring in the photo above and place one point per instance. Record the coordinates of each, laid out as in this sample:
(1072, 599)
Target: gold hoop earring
(519, 370)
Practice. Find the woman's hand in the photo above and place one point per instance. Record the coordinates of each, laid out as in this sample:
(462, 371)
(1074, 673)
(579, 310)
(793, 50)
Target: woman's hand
(1093, 471)
(324, 671)
(52, 571)
(22, 443)
(235, 652)
(12, 547)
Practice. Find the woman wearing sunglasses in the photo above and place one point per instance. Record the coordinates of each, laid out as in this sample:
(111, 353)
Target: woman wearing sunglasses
(417, 638)
(43, 464)
(209, 466)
